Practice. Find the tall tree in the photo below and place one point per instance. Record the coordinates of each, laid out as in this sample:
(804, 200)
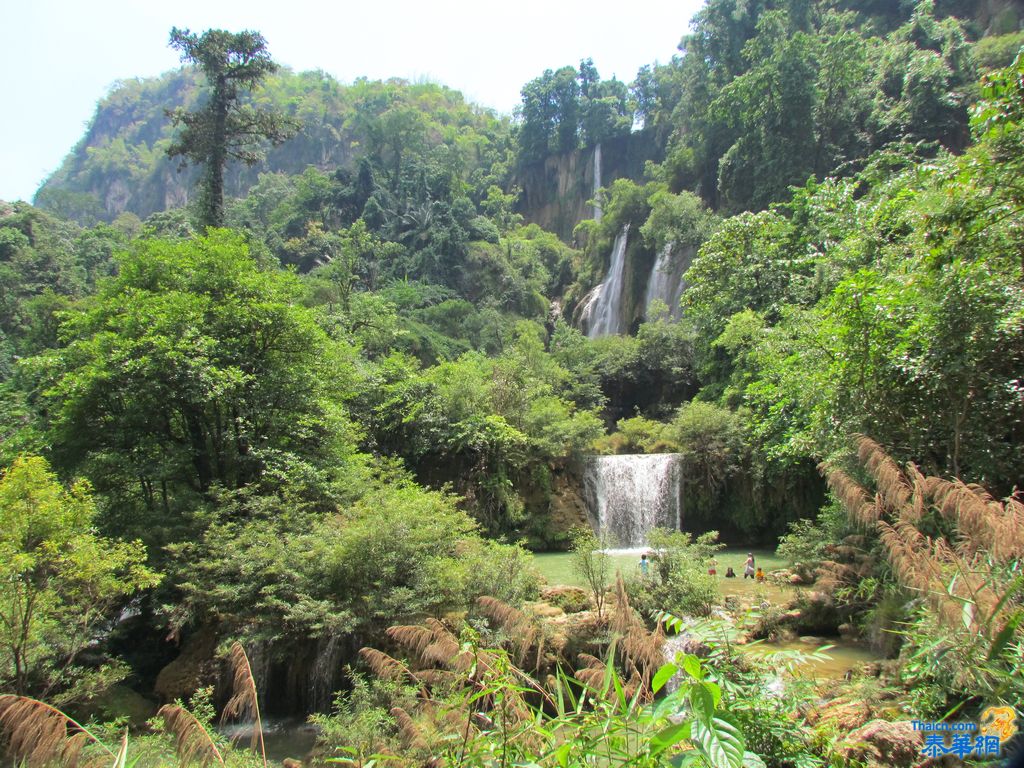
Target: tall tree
(224, 128)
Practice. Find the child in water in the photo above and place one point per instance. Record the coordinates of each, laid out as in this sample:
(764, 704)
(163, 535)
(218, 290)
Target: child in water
(748, 567)
(759, 576)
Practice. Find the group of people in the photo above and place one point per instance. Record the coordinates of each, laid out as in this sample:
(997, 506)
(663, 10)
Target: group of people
(750, 569)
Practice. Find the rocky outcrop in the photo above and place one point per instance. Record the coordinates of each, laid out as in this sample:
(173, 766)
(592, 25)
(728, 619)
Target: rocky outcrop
(566, 509)
(197, 665)
(882, 743)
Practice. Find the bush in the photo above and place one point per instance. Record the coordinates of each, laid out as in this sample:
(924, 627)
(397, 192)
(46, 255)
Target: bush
(679, 583)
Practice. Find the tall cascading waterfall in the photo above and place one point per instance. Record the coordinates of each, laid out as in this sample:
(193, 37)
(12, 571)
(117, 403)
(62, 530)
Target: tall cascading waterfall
(598, 211)
(602, 306)
(666, 281)
(628, 496)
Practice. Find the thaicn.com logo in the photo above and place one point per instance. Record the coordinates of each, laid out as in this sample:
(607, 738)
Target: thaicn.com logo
(984, 738)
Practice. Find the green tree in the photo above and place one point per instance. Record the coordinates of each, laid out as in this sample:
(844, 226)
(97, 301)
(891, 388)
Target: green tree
(224, 128)
(59, 581)
(193, 368)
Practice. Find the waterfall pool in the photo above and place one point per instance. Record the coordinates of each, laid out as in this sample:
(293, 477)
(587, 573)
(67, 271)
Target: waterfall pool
(843, 656)
(285, 737)
(556, 567)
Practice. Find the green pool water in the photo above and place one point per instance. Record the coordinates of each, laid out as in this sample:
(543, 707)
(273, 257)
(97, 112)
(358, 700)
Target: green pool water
(556, 567)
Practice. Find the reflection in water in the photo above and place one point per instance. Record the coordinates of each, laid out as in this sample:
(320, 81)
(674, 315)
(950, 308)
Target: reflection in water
(287, 737)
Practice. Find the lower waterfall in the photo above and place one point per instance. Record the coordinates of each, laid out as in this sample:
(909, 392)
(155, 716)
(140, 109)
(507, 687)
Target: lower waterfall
(628, 496)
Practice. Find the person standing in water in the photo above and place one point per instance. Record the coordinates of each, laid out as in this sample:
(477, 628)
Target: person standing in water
(644, 565)
(748, 567)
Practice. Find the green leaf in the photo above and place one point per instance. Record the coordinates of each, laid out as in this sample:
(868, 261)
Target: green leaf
(662, 676)
(1005, 635)
(670, 736)
(692, 666)
(750, 760)
(702, 703)
(720, 741)
(562, 754)
(716, 692)
(683, 759)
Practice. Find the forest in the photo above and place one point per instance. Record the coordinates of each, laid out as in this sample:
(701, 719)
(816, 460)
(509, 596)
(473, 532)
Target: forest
(306, 388)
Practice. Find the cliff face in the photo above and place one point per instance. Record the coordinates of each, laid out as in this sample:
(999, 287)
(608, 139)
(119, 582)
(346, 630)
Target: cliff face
(556, 191)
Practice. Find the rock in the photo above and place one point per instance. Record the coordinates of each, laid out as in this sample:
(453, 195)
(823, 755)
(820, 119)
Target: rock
(544, 610)
(290, 762)
(847, 631)
(566, 508)
(796, 579)
(195, 666)
(883, 743)
(844, 715)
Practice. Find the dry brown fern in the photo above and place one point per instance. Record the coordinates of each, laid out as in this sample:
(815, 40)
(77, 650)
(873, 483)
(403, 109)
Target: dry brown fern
(412, 637)
(959, 577)
(244, 702)
(408, 731)
(384, 666)
(191, 740)
(524, 630)
(38, 734)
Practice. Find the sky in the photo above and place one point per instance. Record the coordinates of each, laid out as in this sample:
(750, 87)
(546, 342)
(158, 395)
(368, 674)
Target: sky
(58, 58)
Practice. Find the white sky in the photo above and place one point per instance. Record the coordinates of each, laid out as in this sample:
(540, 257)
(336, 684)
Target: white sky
(59, 57)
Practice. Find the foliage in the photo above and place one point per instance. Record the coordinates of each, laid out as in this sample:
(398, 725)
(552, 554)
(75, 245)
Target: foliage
(567, 108)
(474, 705)
(771, 93)
(61, 583)
(491, 418)
(193, 368)
(711, 443)
(282, 570)
(809, 542)
(679, 582)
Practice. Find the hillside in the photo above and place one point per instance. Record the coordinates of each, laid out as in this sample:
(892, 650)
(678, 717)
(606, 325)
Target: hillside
(120, 164)
(767, 297)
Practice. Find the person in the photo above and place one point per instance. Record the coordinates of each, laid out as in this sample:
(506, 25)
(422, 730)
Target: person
(712, 567)
(645, 565)
(759, 576)
(748, 568)
(730, 573)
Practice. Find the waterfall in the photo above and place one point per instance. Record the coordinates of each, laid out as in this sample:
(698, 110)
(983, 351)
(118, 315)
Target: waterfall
(603, 305)
(627, 496)
(323, 672)
(666, 280)
(597, 183)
